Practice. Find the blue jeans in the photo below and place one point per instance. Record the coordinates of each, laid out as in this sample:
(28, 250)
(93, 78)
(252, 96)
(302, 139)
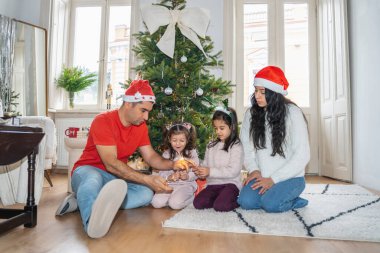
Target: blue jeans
(87, 181)
(281, 197)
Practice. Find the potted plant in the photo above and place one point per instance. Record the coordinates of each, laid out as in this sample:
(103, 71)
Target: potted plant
(75, 79)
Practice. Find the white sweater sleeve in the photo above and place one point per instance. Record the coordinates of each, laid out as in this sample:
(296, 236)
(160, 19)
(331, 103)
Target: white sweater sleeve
(250, 162)
(300, 150)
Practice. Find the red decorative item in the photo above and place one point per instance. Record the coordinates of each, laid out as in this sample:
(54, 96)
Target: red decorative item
(71, 132)
(201, 185)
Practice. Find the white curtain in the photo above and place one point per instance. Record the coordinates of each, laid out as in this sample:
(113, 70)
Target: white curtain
(7, 39)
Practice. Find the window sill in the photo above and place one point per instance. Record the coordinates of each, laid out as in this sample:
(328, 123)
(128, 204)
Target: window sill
(74, 113)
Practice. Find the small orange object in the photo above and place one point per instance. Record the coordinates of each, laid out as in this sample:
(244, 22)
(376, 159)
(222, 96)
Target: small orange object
(201, 183)
(183, 163)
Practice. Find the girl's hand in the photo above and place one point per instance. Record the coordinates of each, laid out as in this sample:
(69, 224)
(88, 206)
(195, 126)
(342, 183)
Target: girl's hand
(264, 182)
(195, 170)
(183, 175)
(202, 172)
(173, 177)
(256, 174)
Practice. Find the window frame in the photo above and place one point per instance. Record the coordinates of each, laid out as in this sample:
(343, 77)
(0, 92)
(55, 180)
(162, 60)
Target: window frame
(103, 51)
(276, 44)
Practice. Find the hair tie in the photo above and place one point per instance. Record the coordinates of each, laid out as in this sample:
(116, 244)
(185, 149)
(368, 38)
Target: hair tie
(185, 125)
(223, 109)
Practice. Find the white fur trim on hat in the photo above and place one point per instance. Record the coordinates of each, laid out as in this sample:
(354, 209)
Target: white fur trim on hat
(270, 85)
(139, 98)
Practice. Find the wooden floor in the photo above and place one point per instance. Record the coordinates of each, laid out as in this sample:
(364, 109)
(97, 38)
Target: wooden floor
(140, 230)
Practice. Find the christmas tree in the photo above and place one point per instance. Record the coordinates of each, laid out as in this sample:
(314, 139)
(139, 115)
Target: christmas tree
(184, 88)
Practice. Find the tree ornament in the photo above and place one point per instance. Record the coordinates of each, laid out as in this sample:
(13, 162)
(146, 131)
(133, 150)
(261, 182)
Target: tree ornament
(168, 91)
(179, 79)
(183, 59)
(199, 92)
(161, 115)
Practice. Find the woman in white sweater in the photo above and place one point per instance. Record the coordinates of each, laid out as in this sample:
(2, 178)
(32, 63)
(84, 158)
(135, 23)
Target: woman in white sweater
(275, 139)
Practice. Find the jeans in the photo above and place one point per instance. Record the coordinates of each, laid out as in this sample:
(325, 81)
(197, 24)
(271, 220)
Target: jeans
(87, 181)
(281, 197)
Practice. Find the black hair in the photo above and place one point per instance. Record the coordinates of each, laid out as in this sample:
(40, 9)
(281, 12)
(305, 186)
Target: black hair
(275, 112)
(230, 120)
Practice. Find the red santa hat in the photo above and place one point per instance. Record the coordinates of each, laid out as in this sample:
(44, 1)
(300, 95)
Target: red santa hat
(138, 91)
(273, 78)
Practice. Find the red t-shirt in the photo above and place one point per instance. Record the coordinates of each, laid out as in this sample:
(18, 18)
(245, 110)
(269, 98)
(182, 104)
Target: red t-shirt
(107, 130)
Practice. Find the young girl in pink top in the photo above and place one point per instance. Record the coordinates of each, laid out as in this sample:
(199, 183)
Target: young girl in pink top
(222, 164)
(179, 143)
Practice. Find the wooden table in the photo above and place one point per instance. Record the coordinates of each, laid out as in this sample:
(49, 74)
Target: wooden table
(15, 144)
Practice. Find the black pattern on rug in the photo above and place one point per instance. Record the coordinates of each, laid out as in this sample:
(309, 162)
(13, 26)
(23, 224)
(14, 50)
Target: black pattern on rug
(337, 194)
(352, 213)
(245, 222)
(326, 189)
(310, 227)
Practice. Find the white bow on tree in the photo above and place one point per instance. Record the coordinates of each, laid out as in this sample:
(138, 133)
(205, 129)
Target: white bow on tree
(192, 22)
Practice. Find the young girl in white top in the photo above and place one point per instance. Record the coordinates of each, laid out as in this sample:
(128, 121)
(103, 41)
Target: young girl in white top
(276, 146)
(222, 164)
(179, 143)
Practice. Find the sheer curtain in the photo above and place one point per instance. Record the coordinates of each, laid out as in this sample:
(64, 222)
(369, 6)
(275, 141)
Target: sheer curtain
(7, 39)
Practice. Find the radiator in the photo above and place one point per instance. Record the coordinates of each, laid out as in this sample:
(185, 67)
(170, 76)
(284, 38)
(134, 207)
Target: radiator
(62, 124)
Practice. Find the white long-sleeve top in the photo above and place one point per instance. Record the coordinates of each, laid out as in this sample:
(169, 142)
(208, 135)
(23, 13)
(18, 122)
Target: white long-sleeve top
(225, 167)
(296, 148)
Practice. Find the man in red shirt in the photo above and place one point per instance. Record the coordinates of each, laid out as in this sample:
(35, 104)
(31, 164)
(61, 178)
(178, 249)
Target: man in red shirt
(101, 176)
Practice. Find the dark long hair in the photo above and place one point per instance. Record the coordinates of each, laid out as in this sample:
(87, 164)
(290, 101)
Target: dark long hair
(232, 123)
(180, 128)
(275, 112)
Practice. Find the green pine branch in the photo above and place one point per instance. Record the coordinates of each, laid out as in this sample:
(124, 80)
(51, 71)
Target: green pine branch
(184, 78)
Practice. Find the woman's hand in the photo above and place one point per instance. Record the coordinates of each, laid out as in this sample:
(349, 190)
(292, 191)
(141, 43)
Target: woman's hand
(256, 174)
(265, 183)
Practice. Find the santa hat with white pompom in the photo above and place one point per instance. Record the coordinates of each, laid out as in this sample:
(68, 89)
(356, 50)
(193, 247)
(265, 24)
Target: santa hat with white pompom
(272, 78)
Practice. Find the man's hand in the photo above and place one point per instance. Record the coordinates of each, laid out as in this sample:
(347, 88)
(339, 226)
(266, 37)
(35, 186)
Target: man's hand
(264, 182)
(256, 174)
(157, 184)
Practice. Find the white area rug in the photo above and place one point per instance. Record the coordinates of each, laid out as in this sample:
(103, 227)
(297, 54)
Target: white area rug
(343, 212)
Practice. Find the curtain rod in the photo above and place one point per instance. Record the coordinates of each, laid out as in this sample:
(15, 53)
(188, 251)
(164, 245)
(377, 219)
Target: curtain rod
(27, 23)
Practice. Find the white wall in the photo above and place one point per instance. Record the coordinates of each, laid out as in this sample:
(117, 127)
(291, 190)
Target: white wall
(364, 39)
(35, 12)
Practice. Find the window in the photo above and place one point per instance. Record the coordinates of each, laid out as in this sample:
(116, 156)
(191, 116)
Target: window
(100, 43)
(276, 32)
